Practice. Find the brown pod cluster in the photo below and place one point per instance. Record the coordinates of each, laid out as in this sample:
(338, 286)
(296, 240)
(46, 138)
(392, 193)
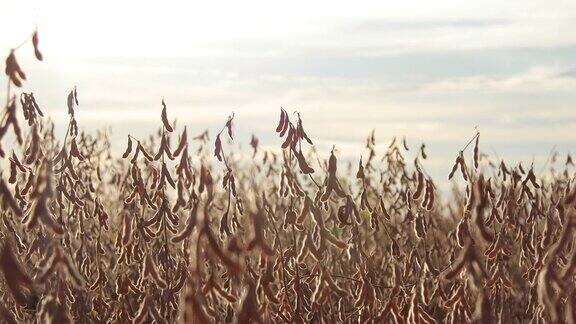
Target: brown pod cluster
(144, 235)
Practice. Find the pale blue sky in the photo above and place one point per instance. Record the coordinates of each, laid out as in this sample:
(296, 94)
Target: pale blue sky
(430, 70)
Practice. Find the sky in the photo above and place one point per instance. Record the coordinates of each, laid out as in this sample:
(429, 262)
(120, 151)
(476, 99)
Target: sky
(428, 70)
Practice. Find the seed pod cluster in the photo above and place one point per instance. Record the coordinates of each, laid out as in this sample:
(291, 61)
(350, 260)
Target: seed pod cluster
(170, 230)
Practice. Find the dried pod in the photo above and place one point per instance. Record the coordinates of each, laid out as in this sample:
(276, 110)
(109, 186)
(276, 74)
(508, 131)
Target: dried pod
(165, 118)
(35, 41)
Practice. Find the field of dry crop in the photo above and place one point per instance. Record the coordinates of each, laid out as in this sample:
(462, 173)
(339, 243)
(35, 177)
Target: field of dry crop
(180, 228)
